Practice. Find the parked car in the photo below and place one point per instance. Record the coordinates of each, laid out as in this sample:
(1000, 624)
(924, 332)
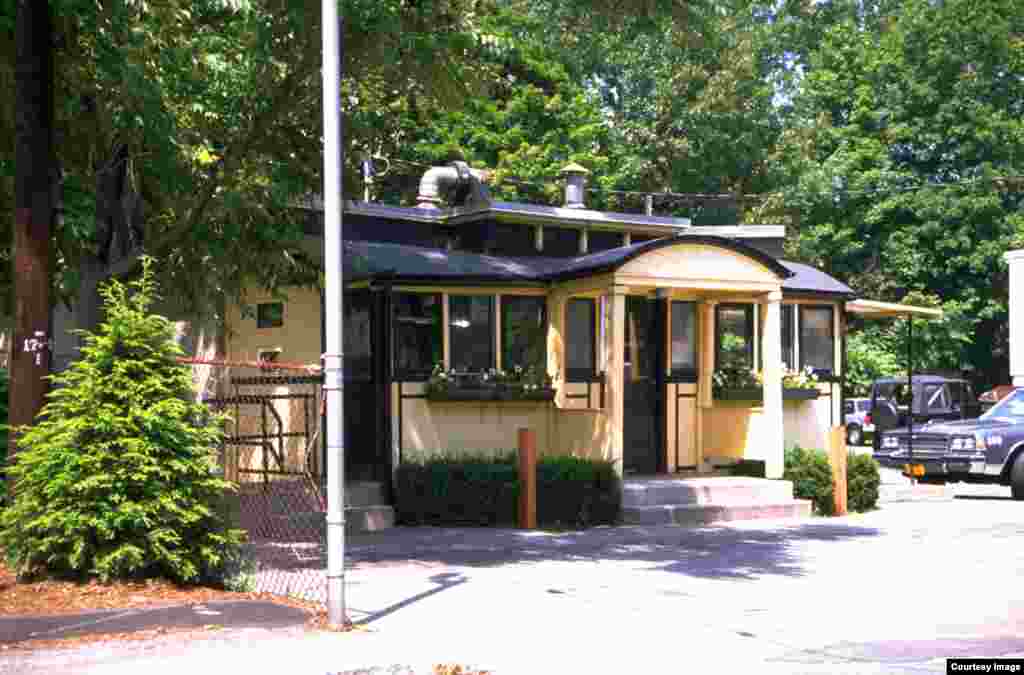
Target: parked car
(857, 417)
(989, 449)
(994, 395)
(932, 397)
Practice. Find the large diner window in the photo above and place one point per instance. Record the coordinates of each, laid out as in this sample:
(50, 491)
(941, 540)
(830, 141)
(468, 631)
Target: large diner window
(788, 352)
(580, 339)
(523, 332)
(734, 337)
(417, 334)
(684, 339)
(471, 331)
(817, 339)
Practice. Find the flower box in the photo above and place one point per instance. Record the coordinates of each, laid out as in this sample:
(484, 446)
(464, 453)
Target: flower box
(739, 394)
(800, 394)
(756, 394)
(490, 394)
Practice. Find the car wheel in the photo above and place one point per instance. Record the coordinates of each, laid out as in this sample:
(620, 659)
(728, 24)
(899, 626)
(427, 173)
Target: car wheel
(854, 435)
(1017, 477)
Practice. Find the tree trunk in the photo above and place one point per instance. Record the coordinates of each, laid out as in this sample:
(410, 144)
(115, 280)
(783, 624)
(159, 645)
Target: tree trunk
(34, 208)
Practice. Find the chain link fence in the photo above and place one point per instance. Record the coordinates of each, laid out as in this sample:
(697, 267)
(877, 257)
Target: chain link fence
(272, 452)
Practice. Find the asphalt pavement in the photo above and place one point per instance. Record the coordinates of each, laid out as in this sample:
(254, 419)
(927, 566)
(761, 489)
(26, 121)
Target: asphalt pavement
(896, 590)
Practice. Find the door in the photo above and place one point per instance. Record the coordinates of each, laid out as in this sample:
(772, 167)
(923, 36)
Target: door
(643, 405)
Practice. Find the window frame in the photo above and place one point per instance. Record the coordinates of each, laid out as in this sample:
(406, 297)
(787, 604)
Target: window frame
(803, 342)
(505, 298)
(400, 374)
(789, 327)
(588, 374)
(684, 374)
(491, 342)
(263, 321)
(748, 310)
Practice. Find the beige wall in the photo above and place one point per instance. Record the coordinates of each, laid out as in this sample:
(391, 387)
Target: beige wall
(733, 429)
(431, 427)
(298, 338)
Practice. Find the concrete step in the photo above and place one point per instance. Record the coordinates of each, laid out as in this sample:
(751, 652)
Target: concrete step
(704, 491)
(695, 515)
(362, 519)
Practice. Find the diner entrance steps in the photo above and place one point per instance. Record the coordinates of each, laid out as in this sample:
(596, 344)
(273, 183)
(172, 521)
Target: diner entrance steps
(366, 507)
(669, 500)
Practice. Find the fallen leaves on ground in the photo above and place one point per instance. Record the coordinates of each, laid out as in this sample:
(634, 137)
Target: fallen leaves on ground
(52, 597)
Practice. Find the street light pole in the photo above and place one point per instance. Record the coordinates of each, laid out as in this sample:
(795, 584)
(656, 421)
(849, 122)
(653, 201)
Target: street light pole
(333, 273)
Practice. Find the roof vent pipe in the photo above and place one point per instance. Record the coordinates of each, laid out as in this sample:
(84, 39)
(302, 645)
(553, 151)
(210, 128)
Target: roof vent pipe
(455, 182)
(575, 182)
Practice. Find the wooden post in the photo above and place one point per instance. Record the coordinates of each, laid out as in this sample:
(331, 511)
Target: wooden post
(527, 479)
(837, 458)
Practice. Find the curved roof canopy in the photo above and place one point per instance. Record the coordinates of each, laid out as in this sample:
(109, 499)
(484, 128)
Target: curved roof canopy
(364, 259)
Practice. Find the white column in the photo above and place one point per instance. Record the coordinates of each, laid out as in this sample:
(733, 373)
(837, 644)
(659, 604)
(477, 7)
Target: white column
(771, 447)
(614, 351)
(1015, 261)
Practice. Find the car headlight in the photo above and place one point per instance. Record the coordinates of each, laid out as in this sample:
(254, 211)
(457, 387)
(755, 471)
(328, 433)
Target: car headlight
(890, 442)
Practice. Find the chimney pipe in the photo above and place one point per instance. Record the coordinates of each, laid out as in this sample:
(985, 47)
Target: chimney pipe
(440, 180)
(575, 182)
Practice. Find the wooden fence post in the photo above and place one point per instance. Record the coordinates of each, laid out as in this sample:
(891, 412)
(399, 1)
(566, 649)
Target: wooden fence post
(837, 458)
(527, 479)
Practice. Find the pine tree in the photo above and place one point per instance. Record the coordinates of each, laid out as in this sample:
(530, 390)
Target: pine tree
(116, 478)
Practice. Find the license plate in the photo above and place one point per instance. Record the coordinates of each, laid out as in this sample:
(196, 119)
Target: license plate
(913, 469)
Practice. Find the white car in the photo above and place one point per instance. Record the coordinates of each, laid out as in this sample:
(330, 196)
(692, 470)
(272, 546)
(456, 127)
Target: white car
(857, 416)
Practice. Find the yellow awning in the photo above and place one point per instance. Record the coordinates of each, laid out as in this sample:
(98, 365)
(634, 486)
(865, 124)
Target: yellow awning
(872, 309)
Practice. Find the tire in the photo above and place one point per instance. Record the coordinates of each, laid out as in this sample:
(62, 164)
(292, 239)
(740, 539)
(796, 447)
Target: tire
(854, 435)
(1017, 478)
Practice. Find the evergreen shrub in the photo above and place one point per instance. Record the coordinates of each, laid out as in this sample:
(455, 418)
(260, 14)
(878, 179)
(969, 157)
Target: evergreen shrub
(862, 482)
(117, 478)
(811, 474)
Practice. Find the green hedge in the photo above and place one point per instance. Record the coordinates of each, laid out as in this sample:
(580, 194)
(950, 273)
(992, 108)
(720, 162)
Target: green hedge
(811, 474)
(483, 489)
(812, 478)
(862, 482)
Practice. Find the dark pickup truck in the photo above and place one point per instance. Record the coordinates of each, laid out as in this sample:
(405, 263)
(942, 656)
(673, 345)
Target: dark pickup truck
(988, 449)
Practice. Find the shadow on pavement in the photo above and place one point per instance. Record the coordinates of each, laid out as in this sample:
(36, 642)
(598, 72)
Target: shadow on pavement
(721, 552)
(985, 498)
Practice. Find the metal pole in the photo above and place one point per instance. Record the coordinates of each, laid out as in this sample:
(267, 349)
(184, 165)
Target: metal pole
(910, 386)
(336, 615)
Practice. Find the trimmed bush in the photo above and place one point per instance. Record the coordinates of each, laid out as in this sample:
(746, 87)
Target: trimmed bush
(576, 492)
(116, 479)
(862, 482)
(483, 489)
(749, 468)
(811, 474)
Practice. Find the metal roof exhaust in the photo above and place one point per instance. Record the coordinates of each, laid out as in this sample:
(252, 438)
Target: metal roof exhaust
(575, 182)
(456, 183)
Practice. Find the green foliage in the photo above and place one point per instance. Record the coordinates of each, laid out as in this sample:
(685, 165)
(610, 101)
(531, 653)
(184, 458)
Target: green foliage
(812, 478)
(483, 489)
(869, 357)
(116, 479)
(901, 127)
(749, 468)
(862, 482)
